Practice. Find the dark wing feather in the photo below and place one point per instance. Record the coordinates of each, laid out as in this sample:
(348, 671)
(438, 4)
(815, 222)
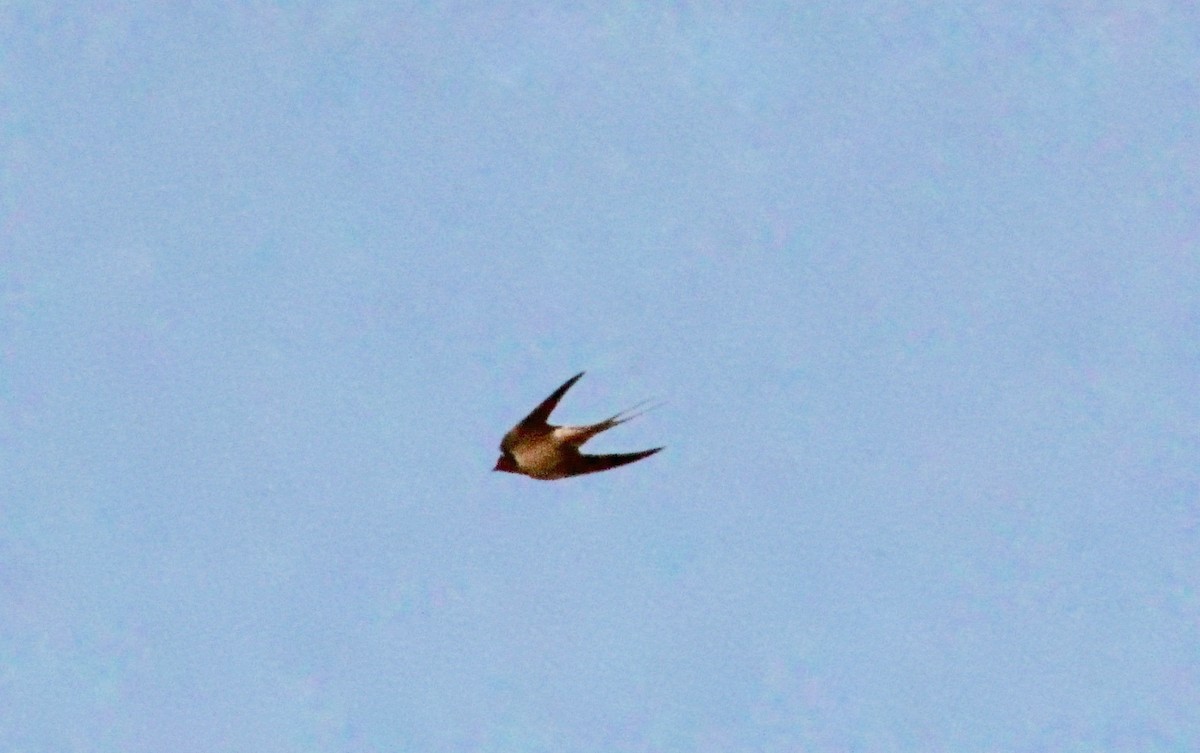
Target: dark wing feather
(594, 463)
(541, 414)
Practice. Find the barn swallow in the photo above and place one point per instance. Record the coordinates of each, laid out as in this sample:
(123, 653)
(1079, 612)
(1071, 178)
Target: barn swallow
(538, 450)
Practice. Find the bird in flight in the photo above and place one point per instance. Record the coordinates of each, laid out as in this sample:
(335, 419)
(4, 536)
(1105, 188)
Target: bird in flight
(538, 450)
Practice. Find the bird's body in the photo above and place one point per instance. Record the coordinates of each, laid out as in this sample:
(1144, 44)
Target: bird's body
(539, 450)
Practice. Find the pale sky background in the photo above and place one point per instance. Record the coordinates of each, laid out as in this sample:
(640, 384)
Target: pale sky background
(919, 281)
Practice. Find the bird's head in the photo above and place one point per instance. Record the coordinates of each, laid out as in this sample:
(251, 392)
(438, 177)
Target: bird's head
(507, 464)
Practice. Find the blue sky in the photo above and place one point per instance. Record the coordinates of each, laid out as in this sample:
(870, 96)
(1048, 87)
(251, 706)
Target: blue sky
(918, 282)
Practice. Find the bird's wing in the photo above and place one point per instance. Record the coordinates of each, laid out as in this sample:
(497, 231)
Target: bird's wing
(540, 415)
(594, 463)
